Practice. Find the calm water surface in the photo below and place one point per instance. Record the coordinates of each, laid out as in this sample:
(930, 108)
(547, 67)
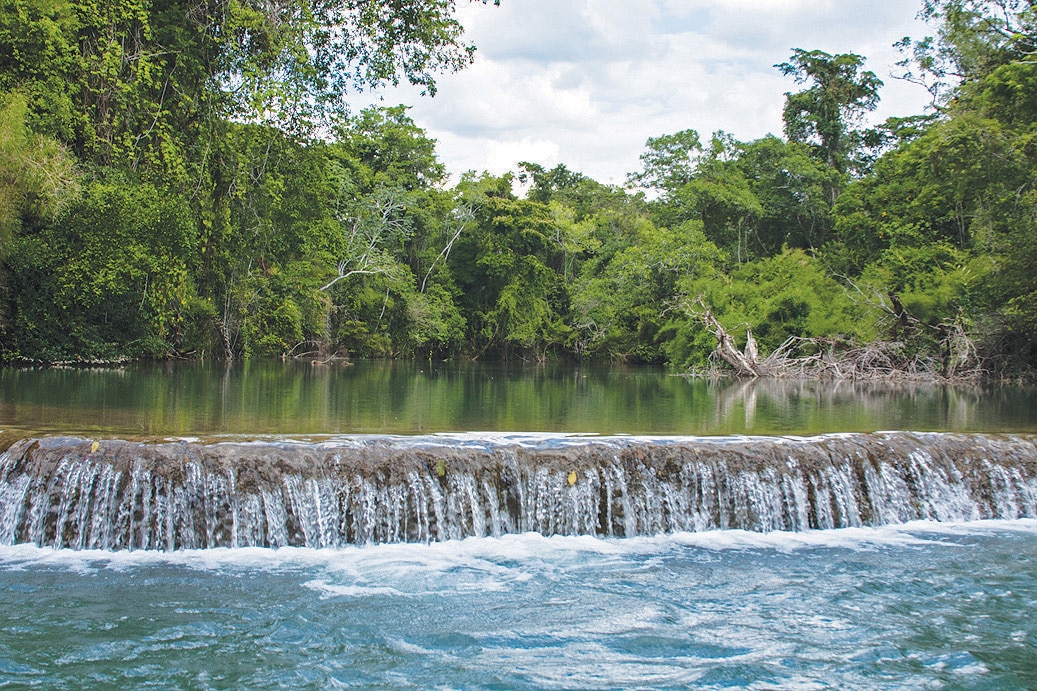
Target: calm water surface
(408, 398)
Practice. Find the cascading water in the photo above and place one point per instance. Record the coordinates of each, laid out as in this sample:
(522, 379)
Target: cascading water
(74, 493)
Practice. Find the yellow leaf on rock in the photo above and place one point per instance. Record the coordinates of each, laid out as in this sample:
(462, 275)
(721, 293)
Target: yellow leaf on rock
(94, 447)
(572, 477)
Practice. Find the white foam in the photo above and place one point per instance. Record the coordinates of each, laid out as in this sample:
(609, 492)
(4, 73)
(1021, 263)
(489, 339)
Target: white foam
(497, 439)
(497, 561)
(351, 591)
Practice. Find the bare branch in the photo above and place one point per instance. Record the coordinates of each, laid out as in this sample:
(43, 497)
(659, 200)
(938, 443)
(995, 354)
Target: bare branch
(354, 272)
(465, 215)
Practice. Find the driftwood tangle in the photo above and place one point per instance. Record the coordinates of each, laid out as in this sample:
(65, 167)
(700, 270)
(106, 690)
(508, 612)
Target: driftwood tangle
(834, 359)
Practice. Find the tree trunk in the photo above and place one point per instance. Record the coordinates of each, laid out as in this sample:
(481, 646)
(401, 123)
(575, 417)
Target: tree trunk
(745, 364)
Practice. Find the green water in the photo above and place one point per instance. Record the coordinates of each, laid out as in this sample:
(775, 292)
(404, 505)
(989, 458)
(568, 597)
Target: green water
(298, 398)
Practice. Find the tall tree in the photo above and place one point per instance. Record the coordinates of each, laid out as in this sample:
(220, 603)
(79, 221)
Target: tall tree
(825, 114)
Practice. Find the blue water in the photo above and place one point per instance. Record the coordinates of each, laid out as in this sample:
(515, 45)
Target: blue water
(921, 606)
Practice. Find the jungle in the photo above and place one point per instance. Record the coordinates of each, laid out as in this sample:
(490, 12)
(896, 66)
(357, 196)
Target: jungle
(185, 179)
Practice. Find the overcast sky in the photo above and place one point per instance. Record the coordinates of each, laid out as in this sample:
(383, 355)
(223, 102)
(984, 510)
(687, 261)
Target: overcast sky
(586, 82)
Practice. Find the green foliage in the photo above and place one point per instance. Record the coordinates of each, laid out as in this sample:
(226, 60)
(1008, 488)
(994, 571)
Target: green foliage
(722, 196)
(278, 311)
(1008, 94)
(37, 176)
(41, 61)
(435, 325)
(824, 114)
(139, 84)
(932, 190)
(621, 309)
(507, 269)
(934, 282)
(382, 147)
(793, 190)
(669, 160)
(755, 198)
(162, 192)
(787, 295)
(107, 278)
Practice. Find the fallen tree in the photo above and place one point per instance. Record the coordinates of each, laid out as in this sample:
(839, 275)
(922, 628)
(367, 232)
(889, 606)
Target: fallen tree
(955, 359)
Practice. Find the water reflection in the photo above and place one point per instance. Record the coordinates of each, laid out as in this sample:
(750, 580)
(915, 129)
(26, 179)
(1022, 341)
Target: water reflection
(785, 405)
(424, 397)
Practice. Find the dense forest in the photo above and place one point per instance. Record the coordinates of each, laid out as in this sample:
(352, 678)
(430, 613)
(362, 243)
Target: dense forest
(184, 178)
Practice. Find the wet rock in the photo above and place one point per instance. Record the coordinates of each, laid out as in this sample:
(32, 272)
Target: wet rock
(118, 494)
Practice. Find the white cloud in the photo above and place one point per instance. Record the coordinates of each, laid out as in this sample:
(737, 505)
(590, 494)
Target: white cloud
(502, 155)
(586, 82)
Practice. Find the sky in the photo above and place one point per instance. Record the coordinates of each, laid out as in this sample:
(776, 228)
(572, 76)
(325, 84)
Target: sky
(587, 82)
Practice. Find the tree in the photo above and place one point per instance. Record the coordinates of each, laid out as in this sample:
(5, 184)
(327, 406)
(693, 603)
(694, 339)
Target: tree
(107, 278)
(753, 198)
(973, 38)
(669, 161)
(794, 190)
(382, 147)
(508, 268)
(37, 176)
(136, 83)
(624, 310)
(546, 185)
(825, 114)
(373, 238)
(787, 295)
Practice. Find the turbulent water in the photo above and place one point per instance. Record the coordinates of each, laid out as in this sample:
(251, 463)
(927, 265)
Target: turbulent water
(507, 561)
(83, 494)
(916, 606)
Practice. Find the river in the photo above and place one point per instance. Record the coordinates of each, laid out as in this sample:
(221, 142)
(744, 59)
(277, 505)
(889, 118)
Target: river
(526, 528)
(296, 398)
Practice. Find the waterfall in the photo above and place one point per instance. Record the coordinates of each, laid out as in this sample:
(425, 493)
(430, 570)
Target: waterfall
(114, 494)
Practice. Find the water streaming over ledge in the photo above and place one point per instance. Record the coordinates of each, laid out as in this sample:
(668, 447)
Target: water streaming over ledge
(113, 494)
